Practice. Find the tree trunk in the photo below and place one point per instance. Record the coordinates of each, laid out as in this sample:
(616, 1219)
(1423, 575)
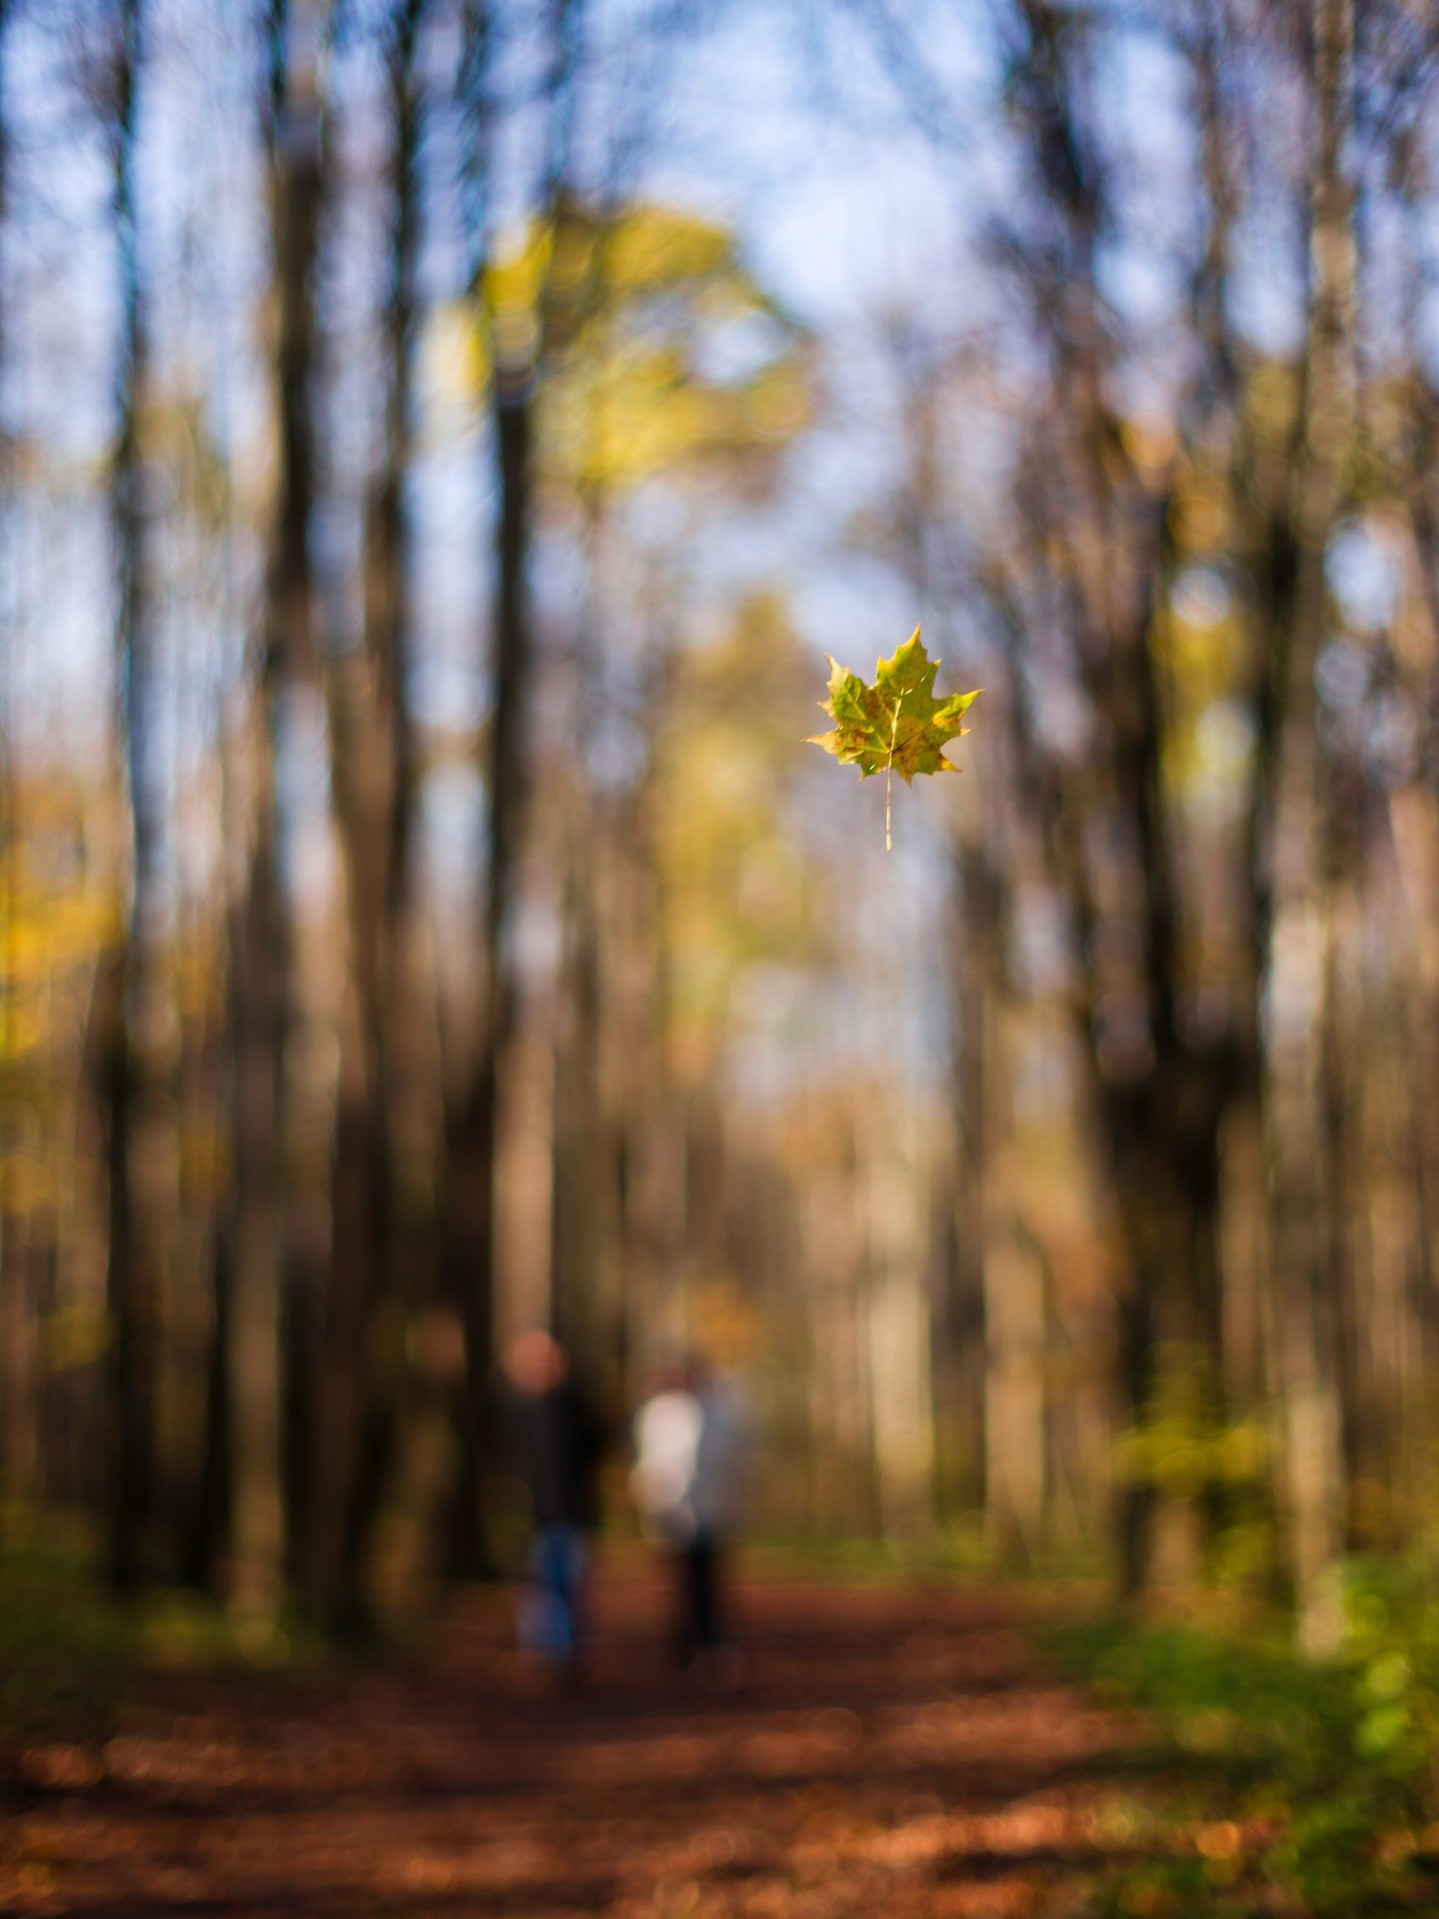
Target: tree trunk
(135, 1077)
(1164, 1155)
(1015, 1491)
(1160, 1094)
(518, 357)
(962, 1369)
(469, 1247)
(1299, 1174)
(249, 1280)
(16, 1360)
(250, 1276)
(588, 1212)
(375, 789)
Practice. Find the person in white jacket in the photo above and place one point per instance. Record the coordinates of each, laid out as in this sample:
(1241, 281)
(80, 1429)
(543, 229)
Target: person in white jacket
(687, 1483)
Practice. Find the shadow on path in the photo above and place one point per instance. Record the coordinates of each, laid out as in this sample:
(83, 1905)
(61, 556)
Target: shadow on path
(894, 1753)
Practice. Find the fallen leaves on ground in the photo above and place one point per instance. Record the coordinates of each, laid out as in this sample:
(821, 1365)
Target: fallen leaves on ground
(892, 1753)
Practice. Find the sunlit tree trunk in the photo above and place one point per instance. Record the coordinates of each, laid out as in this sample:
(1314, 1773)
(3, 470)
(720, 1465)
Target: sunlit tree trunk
(895, 1327)
(1016, 1479)
(1414, 823)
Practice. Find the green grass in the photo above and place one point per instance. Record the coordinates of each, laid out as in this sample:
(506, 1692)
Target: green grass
(863, 1560)
(856, 1561)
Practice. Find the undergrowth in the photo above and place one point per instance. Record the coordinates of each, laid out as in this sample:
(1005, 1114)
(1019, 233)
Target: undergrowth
(67, 1654)
(71, 1653)
(1284, 1786)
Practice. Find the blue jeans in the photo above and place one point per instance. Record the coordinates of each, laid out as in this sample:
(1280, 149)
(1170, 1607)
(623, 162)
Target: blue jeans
(550, 1610)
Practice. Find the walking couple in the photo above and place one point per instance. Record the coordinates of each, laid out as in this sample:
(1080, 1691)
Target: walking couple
(688, 1463)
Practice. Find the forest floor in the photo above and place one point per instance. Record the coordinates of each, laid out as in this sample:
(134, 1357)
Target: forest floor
(894, 1750)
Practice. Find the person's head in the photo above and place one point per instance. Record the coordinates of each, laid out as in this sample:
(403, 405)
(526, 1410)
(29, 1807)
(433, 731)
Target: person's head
(698, 1370)
(536, 1362)
(667, 1373)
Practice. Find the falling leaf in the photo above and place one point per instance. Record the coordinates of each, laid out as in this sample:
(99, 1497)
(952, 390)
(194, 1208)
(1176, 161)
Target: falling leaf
(896, 725)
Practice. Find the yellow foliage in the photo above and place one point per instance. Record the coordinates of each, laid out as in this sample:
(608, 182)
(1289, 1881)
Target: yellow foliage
(621, 309)
(204, 1162)
(47, 939)
(1272, 395)
(55, 922)
(652, 247)
(41, 935)
(74, 1336)
(516, 274)
(724, 1323)
(1184, 1447)
(1200, 517)
(638, 414)
(513, 297)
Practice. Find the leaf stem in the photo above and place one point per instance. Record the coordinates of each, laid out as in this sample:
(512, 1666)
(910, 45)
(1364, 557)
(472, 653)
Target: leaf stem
(889, 775)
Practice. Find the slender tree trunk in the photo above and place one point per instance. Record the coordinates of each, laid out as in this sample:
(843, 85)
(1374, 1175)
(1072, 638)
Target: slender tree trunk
(375, 770)
(1016, 1477)
(135, 1088)
(1414, 823)
(588, 1209)
(1161, 1094)
(1299, 1179)
(250, 1276)
(585, 1212)
(470, 1237)
(17, 1373)
(1416, 830)
(964, 1374)
(408, 1452)
(897, 1335)
(518, 355)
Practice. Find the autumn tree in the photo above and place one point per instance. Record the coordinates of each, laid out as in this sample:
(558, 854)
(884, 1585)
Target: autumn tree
(249, 1305)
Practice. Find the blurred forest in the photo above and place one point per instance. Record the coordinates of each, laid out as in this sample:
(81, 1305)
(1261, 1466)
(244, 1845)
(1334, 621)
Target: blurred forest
(439, 440)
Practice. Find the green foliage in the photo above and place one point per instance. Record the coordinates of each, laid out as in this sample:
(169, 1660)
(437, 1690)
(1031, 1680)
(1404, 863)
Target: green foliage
(1182, 1454)
(1393, 1639)
(1320, 1779)
(896, 724)
(1188, 1451)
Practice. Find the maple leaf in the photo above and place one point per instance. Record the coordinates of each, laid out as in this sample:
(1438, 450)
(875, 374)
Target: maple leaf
(896, 725)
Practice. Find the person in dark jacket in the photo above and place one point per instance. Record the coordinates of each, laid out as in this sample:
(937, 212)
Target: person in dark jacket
(553, 1447)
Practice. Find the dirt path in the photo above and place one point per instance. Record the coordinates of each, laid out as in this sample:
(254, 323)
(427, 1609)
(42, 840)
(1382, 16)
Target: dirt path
(894, 1753)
